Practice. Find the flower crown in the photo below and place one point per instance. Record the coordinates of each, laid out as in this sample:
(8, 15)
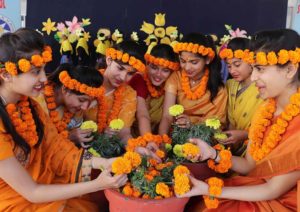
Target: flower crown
(227, 53)
(24, 65)
(271, 58)
(194, 48)
(126, 58)
(162, 62)
(73, 84)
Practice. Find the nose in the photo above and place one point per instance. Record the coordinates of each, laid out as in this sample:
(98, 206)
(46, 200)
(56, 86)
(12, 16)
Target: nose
(43, 77)
(85, 105)
(123, 75)
(254, 75)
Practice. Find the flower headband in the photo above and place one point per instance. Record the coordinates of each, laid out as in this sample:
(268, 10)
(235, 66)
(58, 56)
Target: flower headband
(195, 48)
(24, 65)
(126, 58)
(271, 58)
(162, 62)
(227, 53)
(73, 84)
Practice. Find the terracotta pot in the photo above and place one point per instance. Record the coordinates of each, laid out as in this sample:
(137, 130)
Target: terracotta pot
(200, 170)
(121, 203)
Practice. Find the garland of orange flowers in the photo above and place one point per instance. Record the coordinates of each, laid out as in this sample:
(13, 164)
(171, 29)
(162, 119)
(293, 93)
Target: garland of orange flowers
(126, 58)
(215, 190)
(261, 145)
(229, 54)
(24, 122)
(200, 91)
(24, 65)
(152, 90)
(61, 124)
(195, 48)
(162, 62)
(224, 163)
(102, 119)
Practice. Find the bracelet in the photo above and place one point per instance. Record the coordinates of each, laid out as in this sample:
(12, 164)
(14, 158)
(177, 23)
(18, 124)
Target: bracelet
(225, 160)
(217, 153)
(214, 190)
(86, 167)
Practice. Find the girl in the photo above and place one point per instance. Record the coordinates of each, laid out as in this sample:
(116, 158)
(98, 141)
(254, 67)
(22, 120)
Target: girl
(198, 87)
(33, 155)
(65, 103)
(161, 62)
(272, 160)
(243, 96)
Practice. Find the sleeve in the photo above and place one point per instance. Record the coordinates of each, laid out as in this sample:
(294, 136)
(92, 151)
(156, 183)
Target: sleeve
(139, 85)
(6, 143)
(128, 109)
(171, 85)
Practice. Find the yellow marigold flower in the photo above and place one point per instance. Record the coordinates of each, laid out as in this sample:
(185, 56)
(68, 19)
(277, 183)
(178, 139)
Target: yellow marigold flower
(181, 170)
(134, 158)
(162, 189)
(176, 110)
(121, 166)
(177, 150)
(261, 58)
(11, 68)
(89, 125)
(168, 147)
(116, 124)
(190, 149)
(283, 56)
(181, 184)
(24, 65)
(213, 123)
(220, 136)
(94, 152)
(272, 58)
(211, 202)
(239, 54)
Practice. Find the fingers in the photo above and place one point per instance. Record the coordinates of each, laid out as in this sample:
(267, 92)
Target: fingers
(83, 145)
(153, 155)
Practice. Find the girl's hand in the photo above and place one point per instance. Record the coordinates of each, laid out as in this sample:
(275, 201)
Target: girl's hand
(206, 151)
(152, 146)
(79, 136)
(198, 188)
(146, 152)
(106, 180)
(102, 163)
(111, 132)
(183, 121)
(234, 136)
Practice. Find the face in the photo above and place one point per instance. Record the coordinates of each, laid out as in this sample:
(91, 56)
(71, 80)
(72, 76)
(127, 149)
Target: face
(193, 64)
(74, 102)
(117, 73)
(239, 70)
(30, 83)
(157, 74)
(271, 81)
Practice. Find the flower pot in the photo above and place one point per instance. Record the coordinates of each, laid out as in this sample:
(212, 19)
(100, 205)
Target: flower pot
(200, 170)
(121, 203)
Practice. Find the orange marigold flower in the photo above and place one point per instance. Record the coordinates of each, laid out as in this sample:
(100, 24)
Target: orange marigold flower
(181, 184)
(24, 65)
(127, 190)
(190, 149)
(181, 170)
(160, 153)
(37, 60)
(121, 166)
(134, 158)
(162, 189)
(11, 68)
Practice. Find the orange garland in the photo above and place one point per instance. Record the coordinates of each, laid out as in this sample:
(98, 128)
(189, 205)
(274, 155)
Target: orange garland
(229, 54)
(224, 163)
(200, 91)
(24, 65)
(162, 62)
(195, 48)
(61, 125)
(215, 189)
(152, 90)
(261, 144)
(24, 123)
(126, 58)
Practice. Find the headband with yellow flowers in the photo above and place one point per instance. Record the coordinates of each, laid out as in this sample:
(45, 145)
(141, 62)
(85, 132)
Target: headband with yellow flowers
(73, 84)
(126, 58)
(24, 65)
(271, 58)
(194, 48)
(162, 62)
(229, 54)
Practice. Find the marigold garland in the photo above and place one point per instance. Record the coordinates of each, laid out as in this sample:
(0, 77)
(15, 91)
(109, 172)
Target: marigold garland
(126, 58)
(200, 91)
(224, 163)
(227, 53)
(24, 65)
(154, 92)
(174, 66)
(215, 190)
(261, 144)
(23, 121)
(194, 48)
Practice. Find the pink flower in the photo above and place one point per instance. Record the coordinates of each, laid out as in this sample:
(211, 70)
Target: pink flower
(238, 33)
(60, 26)
(74, 25)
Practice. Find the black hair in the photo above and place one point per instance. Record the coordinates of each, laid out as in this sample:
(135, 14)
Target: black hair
(13, 46)
(239, 43)
(83, 74)
(132, 48)
(164, 51)
(215, 79)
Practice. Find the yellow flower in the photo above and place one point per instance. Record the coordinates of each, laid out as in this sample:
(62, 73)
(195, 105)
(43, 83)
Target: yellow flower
(94, 152)
(116, 124)
(86, 21)
(160, 19)
(220, 136)
(213, 123)
(178, 150)
(162, 189)
(182, 184)
(86, 36)
(159, 32)
(165, 40)
(49, 26)
(121, 166)
(170, 30)
(147, 28)
(89, 125)
(168, 147)
(190, 149)
(134, 158)
(181, 170)
(176, 110)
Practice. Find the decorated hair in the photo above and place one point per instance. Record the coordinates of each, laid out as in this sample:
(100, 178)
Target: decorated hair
(21, 44)
(236, 48)
(214, 80)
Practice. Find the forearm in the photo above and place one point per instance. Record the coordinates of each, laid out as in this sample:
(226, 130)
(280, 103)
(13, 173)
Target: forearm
(241, 165)
(164, 125)
(144, 125)
(125, 134)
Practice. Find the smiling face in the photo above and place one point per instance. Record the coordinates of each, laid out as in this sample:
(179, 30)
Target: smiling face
(157, 74)
(76, 102)
(239, 70)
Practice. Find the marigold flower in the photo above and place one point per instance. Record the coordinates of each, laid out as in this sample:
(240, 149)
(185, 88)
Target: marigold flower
(181, 184)
(176, 110)
(162, 189)
(11, 68)
(190, 149)
(24, 65)
(134, 158)
(121, 166)
(89, 125)
(181, 170)
(116, 124)
(213, 123)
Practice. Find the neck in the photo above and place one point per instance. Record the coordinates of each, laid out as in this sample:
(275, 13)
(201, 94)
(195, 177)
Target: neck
(58, 97)
(106, 84)
(198, 77)
(8, 97)
(246, 82)
(284, 98)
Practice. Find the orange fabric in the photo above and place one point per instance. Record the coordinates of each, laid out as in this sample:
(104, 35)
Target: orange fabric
(128, 108)
(283, 159)
(56, 160)
(200, 109)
